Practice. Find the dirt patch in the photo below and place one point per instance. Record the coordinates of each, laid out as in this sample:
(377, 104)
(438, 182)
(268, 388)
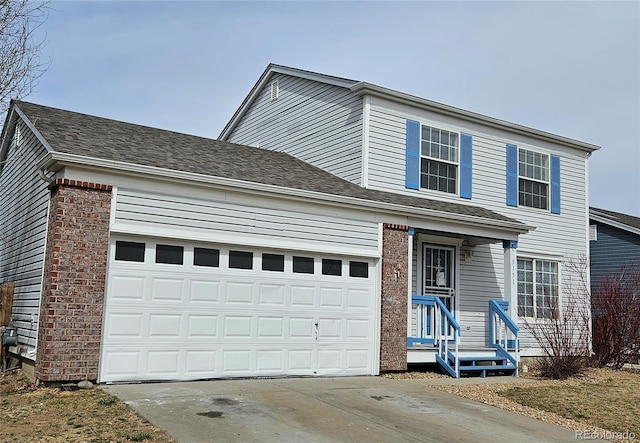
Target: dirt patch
(45, 414)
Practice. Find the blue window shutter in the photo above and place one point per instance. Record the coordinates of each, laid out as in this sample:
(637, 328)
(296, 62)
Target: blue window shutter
(466, 165)
(512, 175)
(412, 178)
(555, 184)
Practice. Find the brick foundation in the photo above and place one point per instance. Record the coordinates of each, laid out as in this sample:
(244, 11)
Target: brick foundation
(393, 327)
(75, 269)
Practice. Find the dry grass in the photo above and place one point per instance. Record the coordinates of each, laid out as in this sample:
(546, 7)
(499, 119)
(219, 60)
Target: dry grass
(611, 401)
(600, 400)
(44, 414)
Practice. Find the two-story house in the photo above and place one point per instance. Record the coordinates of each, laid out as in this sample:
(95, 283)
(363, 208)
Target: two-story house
(390, 141)
(390, 230)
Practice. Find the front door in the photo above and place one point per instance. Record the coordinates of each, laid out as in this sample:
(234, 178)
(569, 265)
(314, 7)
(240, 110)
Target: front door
(439, 274)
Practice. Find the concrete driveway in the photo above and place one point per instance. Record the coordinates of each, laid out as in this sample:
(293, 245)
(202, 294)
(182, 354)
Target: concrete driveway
(367, 409)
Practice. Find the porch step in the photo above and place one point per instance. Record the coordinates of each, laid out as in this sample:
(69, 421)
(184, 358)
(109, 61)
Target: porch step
(482, 362)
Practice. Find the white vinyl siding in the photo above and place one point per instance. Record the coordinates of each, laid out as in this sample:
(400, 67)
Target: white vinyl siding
(562, 236)
(212, 220)
(315, 122)
(24, 202)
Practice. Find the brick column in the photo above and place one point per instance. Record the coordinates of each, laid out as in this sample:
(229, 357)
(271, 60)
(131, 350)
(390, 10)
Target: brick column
(73, 285)
(393, 327)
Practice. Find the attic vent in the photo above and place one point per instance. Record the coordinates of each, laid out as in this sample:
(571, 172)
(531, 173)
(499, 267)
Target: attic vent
(275, 90)
(17, 136)
(593, 232)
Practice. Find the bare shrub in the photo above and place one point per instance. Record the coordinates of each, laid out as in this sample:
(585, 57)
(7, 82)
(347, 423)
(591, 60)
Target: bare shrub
(616, 318)
(564, 336)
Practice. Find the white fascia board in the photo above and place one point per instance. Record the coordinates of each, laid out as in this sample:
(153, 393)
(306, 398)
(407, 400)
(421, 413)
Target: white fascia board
(607, 221)
(265, 78)
(33, 129)
(54, 161)
(364, 88)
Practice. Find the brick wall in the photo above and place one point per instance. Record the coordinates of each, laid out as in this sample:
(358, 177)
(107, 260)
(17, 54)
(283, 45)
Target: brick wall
(74, 282)
(393, 328)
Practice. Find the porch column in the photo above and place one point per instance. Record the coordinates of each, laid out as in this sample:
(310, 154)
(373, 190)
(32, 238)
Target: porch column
(395, 287)
(511, 277)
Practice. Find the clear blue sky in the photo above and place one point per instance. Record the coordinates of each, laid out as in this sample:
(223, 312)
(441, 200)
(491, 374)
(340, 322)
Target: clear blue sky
(570, 68)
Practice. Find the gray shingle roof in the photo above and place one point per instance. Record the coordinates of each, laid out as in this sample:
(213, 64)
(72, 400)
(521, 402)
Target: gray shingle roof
(625, 219)
(96, 137)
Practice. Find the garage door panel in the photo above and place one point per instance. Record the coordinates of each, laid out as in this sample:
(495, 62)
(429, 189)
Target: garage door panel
(271, 327)
(180, 322)
(124, 325)
(166, 289)
(236, 362)
(163, 363)
(239, 292)
(200, 363)
(207, 291)
(271, 294)
(357, 359)
(164, 325)
(203, 326)
(359, 298)
(270, 360)
(302, 296)
(125, 364)
(358, 329)
(301, 327)
(123, 287)
(331, 297)
(236, 326)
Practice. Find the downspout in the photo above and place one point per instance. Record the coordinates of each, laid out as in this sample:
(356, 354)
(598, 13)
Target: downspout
(43, 176)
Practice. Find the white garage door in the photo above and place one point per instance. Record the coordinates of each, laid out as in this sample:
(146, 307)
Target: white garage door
(186, 311)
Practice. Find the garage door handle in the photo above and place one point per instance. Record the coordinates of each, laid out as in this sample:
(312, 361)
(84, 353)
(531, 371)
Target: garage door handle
(316, 329)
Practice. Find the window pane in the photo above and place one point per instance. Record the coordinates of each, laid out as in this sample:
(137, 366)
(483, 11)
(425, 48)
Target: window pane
(130, 251)
(358, 269)
(331, 267)
(273, 262)
(206, 257)
(240, 260)
(169, 254)
(303, 265)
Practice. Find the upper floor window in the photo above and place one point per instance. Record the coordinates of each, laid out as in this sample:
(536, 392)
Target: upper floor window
(538, 292)
(533, 179)
(439, 160)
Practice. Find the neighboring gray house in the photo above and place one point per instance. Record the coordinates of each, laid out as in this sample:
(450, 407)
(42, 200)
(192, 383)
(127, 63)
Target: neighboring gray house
(143, 254)
(615, 243)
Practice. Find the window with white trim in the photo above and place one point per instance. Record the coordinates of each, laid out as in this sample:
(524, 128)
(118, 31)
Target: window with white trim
(538, 288)
(439, 159)
(533, 179)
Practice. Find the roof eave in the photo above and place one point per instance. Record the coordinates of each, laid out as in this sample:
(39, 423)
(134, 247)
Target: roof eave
(603, 218)
(363, 88)
(56, 160)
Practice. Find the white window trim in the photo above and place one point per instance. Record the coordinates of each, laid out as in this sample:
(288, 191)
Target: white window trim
(559, 288)
(457, 164)
(548, 182)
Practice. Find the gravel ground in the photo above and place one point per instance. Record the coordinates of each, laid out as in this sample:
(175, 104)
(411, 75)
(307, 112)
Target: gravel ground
(487, 391)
